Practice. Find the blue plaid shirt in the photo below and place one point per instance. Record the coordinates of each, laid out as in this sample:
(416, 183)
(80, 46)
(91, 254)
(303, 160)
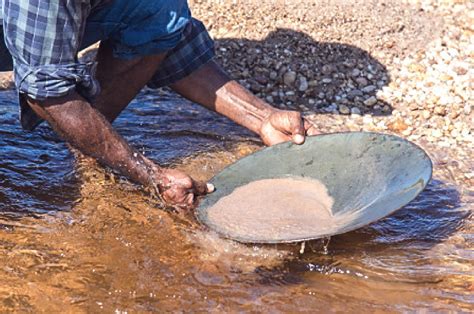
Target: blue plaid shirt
(44, 38)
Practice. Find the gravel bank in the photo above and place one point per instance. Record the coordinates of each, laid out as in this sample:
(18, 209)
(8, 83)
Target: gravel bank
(397, 67)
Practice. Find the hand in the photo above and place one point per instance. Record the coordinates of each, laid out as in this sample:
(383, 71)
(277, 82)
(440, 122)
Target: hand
(282, 126)
(179, 189)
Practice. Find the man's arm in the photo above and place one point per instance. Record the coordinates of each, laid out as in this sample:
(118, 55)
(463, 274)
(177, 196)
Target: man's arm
(211, 87)
(88, 130)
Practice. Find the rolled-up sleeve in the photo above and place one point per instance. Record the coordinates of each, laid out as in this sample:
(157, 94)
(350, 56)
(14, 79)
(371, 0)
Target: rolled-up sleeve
(43, 37)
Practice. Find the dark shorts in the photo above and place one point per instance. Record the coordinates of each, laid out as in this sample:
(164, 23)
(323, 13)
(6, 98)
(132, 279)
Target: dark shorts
(139, 28)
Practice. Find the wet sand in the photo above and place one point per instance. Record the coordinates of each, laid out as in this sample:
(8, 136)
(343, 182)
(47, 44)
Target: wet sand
(273, 209)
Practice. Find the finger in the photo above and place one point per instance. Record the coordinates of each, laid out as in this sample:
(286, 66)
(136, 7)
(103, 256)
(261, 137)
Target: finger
(291, 123)
(202, 188)
(189, 200)
(297, 128)
(273, 137)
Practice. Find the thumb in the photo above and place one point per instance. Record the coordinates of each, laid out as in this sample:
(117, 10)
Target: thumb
(202, 188)
(297, 129)
(290, 123)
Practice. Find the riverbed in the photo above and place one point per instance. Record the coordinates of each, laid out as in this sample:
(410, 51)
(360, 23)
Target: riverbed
(75, 237)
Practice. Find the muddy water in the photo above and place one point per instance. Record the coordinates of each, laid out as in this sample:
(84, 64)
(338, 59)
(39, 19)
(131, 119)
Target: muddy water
(75, 238)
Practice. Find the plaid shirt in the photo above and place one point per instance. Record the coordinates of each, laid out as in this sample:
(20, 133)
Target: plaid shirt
(44, 38)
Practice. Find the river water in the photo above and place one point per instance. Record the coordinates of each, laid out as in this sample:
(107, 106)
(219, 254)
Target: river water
(77, 238)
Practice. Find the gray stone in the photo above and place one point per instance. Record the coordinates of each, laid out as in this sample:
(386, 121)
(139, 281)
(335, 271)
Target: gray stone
(362, 81)
(369, 89)
(328, 69)
(355, 73)
(273, 75)
(356, 111)
(344, 109)
(289, 78)
(302, 84)
(371, 101)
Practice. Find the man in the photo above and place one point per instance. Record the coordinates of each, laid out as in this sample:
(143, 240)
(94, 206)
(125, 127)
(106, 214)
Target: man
(154, 42)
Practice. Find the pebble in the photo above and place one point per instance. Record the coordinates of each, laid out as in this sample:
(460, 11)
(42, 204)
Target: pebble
(302, 84)
(369, 89)
(355, 73)
(371, 101)
(355, 111)
(362, 81)
(344, 109)
(289, 78)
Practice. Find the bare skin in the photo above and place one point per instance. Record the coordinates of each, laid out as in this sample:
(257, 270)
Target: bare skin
(88, 128)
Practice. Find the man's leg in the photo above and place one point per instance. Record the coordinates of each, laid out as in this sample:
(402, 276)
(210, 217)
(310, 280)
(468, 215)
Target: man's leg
(121, 80)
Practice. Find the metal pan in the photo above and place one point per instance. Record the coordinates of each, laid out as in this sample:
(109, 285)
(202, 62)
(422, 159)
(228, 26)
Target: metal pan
(368, 175)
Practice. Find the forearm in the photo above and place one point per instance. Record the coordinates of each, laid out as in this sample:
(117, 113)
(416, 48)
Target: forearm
(87, 130)
(211, 87)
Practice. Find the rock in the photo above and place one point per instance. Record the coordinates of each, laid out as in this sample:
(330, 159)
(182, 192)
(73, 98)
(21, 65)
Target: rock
(362, 81)
(261, 79)
(467, 109)
(386, 109)
(328, 69)
(437, 133)
(354, 93)
(426, 114)
(273, 75)
(367, 119)
(302, 84)
(289, 78)
(344, 109)
(326, 80)
(313, 83)
(356, 111)
(369, 89)
(371, 101)
(455, 133)
(439, 110)
(398, 126)
(355, 73)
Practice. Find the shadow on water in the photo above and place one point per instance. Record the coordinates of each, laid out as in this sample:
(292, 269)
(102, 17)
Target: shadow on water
(36, 169)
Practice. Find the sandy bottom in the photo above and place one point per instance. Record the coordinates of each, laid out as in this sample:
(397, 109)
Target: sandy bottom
(274, 209)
